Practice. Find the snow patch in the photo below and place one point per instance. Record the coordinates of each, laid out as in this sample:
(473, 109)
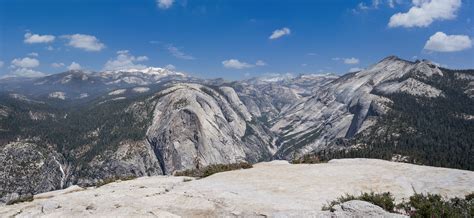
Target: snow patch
(118, 92)
(58, 95)
(141, 89)
(83, 95)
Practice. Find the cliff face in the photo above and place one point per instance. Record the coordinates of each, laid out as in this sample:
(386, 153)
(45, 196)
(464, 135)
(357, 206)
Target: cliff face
(27, 170)
(194, 125)
(350, 104)
(130, 159)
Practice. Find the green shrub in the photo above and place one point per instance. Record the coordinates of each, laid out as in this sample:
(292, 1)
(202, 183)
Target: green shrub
(212, 169)
(433, 205)
(384, 200)
(114, 179)
(309, 159)
(419, 205)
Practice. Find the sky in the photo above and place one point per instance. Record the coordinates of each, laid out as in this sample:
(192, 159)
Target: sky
(232, 39)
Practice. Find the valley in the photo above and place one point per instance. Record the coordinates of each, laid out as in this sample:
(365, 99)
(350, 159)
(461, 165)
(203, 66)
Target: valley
(79, 128)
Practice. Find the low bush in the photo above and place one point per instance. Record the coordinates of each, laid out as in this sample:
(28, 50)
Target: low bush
(114, 179)
(384, 200)
(418, 205)
(212, 169)
(309, 159)
(433, 205)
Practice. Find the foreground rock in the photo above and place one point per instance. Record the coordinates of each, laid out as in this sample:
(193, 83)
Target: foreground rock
(269, 189)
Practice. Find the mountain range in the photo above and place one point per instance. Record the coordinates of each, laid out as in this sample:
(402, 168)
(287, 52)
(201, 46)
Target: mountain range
(86, 127)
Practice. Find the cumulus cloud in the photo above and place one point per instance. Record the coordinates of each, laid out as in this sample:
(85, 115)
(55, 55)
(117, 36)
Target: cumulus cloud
(347, 60)
(22, 67)
(85, 42)
(260, 63)
(236, 64)
(374, 5)
(351, 60)
(35, 38)
(363, 6)
(439, 65)
(440, 42)
(33, 54)
(57, 65)
(280, 33)
(74, 66)
(391, 3)
(425, 12)
(178, 53)
(170, 67)
(25, 72)
(125, 61)
(165, 4)
(25, 62)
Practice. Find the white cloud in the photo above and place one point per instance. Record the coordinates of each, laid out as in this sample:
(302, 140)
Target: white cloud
(25, 63)
(22, 67)
(57, 65)
(236, 64)
(179, 54)
(375, 4)
(142, 58)
(85, 42)
(125, 61)
(351, 60)
(33, 54)
(439, 65)
(25, 72)
(440, 42)
(170, 67)
(425, 12)
(260, 63)
(50, 48)
(74, 66)
(35, 38)
(280, 32)
(355, 69)
(392, 3)
(165, 4)
(363, 6)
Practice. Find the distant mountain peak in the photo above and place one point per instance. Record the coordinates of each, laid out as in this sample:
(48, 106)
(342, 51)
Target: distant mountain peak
(149, 70)
(391, 58)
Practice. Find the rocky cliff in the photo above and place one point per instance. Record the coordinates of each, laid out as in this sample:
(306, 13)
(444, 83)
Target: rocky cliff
(194, 125)
(406, 111)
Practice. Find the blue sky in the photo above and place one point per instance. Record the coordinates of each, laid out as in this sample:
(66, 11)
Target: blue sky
(231, 38)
